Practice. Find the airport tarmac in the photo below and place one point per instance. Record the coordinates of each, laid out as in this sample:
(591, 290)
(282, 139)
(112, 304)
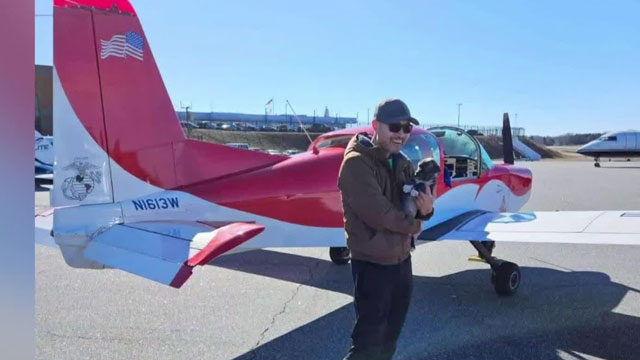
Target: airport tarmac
(575, 301)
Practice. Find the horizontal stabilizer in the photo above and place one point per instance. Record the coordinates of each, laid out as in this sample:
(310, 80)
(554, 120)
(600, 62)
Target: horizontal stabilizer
(578, 227)
(166, 252)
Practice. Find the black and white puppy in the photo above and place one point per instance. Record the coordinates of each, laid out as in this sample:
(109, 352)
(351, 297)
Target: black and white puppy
(426, 175)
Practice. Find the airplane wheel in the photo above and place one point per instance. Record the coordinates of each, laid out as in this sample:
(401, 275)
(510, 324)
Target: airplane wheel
(339, 255)
(506, 279)
(596, 165)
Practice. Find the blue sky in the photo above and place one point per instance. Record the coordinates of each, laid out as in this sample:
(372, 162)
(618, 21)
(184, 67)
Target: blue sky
(562, 66)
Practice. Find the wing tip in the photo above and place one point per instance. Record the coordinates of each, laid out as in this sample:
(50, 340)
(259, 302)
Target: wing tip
(182, 276)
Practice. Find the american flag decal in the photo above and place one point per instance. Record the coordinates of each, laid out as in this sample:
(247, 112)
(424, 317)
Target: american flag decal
(129, 44)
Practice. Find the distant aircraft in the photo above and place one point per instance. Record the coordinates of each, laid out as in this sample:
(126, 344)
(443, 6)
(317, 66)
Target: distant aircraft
(619, 144)
(43, 155)
(132, 193)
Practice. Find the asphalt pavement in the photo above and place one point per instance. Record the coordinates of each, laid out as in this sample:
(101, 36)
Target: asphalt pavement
(575, 301)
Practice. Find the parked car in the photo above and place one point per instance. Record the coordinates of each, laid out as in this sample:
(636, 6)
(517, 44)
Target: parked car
(238, 126)
(273, 152)
(267, 128)
(292, 151)
(244, 146)
(250, 128)
(189, 124)
(317, 128)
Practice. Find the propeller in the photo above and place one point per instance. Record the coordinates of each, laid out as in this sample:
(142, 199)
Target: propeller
(507, 141)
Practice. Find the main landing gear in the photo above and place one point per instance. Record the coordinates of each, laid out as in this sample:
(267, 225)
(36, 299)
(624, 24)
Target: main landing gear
(597, 163)
(339, 255)
(505, 276)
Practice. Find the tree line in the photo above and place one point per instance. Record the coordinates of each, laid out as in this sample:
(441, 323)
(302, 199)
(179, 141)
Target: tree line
(566, 139)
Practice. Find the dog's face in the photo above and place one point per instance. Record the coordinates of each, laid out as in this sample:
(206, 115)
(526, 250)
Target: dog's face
(427, 171)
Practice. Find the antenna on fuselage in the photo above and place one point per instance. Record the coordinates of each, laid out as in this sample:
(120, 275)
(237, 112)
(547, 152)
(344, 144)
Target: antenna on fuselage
(507, 141)
(299, 122)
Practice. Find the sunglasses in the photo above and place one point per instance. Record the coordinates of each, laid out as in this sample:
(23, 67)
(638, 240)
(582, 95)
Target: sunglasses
(394, 128)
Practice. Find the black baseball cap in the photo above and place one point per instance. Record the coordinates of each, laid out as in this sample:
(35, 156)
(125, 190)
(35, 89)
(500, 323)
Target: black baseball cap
(393, 111)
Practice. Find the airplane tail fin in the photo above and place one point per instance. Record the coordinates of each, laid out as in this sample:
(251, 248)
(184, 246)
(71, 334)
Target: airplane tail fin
(507, 141)
(117, 133)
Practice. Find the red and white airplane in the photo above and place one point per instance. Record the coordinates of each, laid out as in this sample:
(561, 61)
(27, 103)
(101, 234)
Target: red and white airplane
(132, 193)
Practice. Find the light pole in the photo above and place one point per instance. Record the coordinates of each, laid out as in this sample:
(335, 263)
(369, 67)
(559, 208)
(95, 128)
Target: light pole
(459, 114)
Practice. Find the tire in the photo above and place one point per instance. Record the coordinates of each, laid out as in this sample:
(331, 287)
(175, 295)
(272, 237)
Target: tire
(507, 279)
(339, 255)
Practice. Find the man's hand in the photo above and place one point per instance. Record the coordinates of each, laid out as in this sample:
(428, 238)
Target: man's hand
(424, 202)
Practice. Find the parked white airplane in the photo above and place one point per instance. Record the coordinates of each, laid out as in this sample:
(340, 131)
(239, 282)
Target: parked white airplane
(44, 156)
(619, 144)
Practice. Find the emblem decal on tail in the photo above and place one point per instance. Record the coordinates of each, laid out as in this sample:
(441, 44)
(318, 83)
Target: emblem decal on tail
(130, 44)
(78, 187)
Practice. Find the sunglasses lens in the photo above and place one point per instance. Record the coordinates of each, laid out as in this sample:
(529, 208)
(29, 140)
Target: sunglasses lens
(396, 127)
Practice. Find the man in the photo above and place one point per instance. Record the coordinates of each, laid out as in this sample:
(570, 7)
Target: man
(379, 233)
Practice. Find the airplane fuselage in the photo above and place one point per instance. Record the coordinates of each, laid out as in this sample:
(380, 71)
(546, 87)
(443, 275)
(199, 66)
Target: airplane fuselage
(621, 144)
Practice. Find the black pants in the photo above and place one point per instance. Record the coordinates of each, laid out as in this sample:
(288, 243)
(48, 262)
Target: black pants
(381, 298)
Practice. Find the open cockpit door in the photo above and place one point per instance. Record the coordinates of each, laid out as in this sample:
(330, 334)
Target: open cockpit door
(463, 154)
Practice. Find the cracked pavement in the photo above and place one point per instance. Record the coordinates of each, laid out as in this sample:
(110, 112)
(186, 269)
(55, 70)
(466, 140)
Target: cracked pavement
(284, 309)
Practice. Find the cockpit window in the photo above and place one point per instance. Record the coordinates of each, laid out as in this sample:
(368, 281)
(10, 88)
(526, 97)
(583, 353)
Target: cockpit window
(609, 138)
(421, 146)
(462, 153)
(417, 148)
(341, 141)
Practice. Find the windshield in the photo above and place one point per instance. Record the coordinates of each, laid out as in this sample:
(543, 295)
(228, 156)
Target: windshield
(340, 141)
(487, 163)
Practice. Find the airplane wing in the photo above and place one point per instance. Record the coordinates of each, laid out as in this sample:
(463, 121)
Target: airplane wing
(166, 251)
(578, 227)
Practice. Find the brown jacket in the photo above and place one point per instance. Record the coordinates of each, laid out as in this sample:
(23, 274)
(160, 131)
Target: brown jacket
(376, 227)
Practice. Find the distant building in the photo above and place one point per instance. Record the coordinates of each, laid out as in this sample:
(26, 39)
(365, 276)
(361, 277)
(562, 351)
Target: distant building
(267, 119)
(44, 111)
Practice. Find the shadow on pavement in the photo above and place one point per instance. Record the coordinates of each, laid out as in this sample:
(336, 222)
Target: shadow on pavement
(39, 185)
(458, 316)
